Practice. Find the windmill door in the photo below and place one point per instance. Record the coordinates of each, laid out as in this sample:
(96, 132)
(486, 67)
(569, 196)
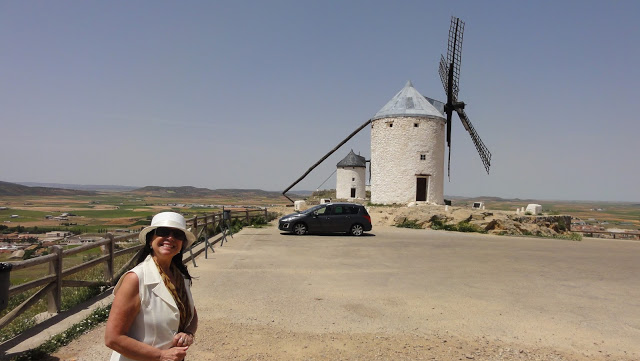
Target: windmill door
(421, 189)
(353, 192)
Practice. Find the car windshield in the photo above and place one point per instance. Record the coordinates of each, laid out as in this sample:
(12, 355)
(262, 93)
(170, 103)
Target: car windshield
(313, 209)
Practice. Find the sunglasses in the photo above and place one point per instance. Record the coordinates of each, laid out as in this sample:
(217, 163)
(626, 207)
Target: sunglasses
(165, 232)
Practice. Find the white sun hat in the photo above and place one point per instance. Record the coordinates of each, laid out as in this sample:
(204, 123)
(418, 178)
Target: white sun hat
(169, 220)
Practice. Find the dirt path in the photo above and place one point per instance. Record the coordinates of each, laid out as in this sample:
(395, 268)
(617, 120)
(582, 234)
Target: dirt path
(221, 340)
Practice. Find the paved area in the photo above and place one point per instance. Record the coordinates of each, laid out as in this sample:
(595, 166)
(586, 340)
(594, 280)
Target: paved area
(402, 292)
(579, 296)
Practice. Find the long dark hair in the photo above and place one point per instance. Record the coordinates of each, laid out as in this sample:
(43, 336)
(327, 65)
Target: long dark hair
(176, 260)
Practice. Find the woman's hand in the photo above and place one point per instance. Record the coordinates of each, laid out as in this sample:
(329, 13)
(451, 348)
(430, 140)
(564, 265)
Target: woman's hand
(174, 354)
(182, 339)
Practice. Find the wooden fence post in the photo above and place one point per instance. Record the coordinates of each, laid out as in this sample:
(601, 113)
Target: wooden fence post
(205, 227)
(247, 217)
(109, 249)
(266, 219)
(206, 239)
(195, 226)
(54, 298)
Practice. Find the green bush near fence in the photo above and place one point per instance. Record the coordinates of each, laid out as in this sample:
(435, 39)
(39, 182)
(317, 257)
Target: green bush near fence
(41, 352)
(261, 221)
(258, 222)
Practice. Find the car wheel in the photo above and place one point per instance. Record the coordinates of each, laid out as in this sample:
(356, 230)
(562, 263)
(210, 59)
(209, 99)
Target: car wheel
(300, 229)
(357, 230)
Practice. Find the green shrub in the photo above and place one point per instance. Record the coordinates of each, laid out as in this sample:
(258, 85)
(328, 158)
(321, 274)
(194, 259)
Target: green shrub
(436, 223)
(462, 226)
(272, 215)
(450, 227)
(561, 225)
(28, 254)
(409, 223)
(465, 226)
(258, 221)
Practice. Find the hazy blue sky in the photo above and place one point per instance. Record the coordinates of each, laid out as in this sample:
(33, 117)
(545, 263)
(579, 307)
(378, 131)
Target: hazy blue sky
(249, 94)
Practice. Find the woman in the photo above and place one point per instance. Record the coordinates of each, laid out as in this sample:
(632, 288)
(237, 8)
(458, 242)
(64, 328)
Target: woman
(153, 316)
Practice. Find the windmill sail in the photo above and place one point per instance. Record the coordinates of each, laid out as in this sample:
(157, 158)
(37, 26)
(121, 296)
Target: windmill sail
(449, 70)
(454, 52)
(483, 151)
(444, 71)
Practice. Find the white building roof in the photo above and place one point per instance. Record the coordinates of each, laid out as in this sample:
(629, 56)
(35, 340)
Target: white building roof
(408, 103)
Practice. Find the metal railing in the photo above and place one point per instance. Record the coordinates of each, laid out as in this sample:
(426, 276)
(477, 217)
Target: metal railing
(202, 226)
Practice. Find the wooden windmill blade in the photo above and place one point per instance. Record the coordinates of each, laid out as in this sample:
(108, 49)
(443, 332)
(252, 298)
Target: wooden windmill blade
(450, 76)
(454, 53)
(482, 149)
(444, 73)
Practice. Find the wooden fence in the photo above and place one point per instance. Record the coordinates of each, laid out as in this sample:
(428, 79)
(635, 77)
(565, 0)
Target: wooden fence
(202, 226)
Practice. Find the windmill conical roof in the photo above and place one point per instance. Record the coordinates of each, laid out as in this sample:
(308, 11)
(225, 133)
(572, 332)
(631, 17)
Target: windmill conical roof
(353, 160)
(408, 103)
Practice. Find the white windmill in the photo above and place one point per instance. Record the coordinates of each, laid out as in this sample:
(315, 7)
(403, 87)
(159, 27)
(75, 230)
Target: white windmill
(408, 137)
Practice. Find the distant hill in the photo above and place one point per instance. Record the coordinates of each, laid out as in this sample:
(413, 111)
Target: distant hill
(193, 192)
(81, 187)
(13, 189)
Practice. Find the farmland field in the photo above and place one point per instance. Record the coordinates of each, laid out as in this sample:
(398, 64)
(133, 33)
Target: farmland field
(110, 211)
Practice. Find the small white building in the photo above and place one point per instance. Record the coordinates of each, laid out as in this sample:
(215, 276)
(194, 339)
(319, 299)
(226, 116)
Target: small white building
(299, 206)
(350, 177)
(54, 234)
(534, 208)
(407, 150)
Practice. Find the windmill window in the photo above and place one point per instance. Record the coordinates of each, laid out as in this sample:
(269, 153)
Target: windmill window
(353, 179)
(415, 125)
(390, 125)
(423, 157)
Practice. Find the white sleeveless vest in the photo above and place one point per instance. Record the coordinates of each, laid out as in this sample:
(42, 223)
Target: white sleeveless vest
(159, 317)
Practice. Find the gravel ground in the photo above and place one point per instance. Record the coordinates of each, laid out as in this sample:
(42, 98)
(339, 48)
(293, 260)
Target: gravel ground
(258, 298)
(221, 340)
